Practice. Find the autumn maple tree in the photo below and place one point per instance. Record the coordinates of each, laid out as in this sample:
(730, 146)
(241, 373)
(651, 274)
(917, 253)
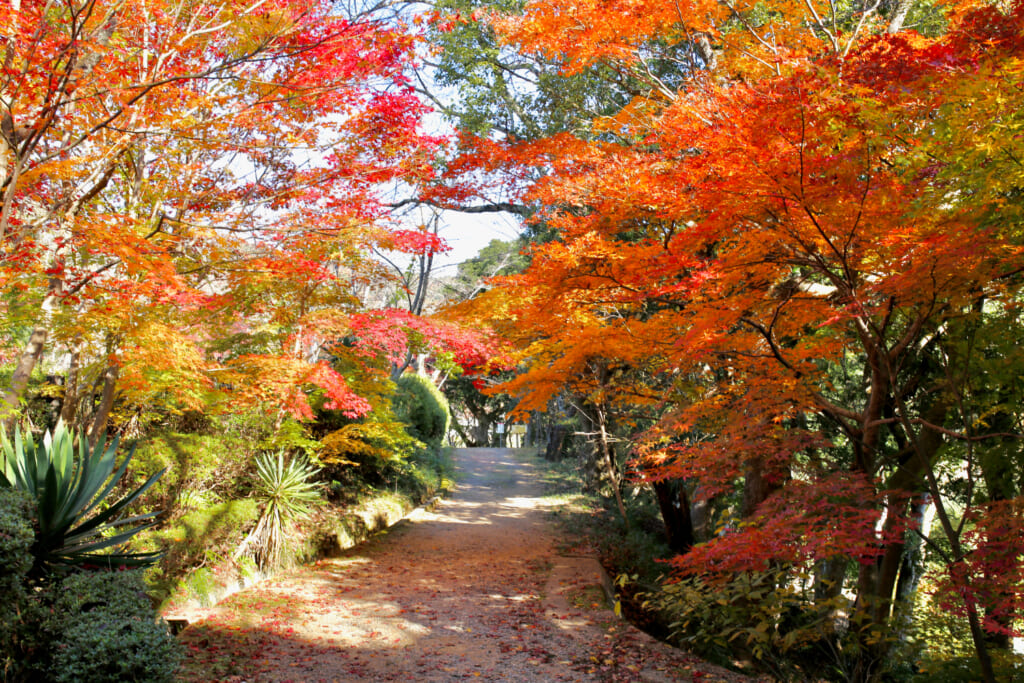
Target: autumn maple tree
(789, 275)
(190, 196)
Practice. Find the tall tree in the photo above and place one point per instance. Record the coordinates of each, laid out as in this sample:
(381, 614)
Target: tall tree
(798, 241)
(177, 174)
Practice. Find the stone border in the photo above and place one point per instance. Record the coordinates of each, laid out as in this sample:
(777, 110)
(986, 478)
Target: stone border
(357, 525)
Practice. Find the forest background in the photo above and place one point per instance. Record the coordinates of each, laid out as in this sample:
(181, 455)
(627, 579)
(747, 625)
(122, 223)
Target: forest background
(768, 292)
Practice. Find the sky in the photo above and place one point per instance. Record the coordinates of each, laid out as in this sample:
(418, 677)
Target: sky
(468, 233)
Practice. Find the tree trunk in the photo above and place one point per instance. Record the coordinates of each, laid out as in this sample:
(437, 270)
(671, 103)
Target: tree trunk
(69, 407)
(555, 440)
(481, 431)
(758, 484)
(99, 419)
(997, 471)
(11, 405)
(674, 504)
(912, 567)
(700, 512)
(899, 15)
(609, 461)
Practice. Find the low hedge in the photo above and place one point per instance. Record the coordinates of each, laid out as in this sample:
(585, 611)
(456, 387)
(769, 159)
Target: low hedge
(423, 408)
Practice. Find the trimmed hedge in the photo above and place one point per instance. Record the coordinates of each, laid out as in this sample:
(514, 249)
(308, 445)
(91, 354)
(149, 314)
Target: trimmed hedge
(16, 537)
(423, 408)
(103, 629)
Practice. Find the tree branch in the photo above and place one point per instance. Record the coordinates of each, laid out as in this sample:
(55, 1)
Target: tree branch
(494, 207)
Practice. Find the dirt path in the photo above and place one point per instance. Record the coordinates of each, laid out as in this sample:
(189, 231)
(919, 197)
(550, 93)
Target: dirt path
(470, 591)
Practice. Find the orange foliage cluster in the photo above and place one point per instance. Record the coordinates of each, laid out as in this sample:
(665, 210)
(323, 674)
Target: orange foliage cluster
(828, 199)
(190, 193)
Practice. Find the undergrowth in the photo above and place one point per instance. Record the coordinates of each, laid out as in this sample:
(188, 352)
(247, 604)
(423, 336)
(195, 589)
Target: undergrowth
(632, 549)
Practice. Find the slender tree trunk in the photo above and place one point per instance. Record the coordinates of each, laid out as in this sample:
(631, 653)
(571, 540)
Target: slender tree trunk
(69, 408)
(899, 15)
(11, 406)
(460, 431)
(102, 414)
(608, 456)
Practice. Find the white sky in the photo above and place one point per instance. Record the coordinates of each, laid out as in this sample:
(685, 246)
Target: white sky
(468, 233)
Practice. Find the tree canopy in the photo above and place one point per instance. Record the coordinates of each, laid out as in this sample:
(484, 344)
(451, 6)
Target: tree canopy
(788, 275)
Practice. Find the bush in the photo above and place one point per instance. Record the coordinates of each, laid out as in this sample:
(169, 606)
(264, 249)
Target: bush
(199, 467)
(16, 537)
(766, 617)
(423, 408)
(287, 492)
(103, 628)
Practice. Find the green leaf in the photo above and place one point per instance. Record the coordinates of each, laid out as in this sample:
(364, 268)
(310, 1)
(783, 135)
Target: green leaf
(68, 485)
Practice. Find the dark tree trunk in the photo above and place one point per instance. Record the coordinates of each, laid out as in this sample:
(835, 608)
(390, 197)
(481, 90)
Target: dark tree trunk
(674, 504)
(555, 441)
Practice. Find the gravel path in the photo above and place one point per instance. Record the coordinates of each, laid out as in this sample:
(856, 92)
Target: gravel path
(472, 590)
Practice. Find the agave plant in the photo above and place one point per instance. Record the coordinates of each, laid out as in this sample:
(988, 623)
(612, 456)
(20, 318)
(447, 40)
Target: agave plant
(286, 492)
(70, 484)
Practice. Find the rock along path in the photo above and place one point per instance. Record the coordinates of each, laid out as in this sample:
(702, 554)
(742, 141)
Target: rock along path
(472, 590)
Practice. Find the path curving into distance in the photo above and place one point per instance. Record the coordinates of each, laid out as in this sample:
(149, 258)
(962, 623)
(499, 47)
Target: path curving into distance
(472, 590)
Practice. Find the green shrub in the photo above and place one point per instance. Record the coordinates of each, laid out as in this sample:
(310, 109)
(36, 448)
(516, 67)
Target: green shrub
(71, 483)
(119, 593)
(766, 617)
(425, 474)
(199, 467)
(16, 537)
(423, 409)
(103, 628)
(286, 491)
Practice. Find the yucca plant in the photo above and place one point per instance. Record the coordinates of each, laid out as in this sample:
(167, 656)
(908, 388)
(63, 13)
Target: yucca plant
(286, 493)
(70, 484)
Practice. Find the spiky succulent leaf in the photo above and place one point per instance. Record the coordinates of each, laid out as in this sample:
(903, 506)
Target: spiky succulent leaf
(76, 521)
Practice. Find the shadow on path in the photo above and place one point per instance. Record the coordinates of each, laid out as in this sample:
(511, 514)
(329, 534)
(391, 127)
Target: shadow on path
(469, 591)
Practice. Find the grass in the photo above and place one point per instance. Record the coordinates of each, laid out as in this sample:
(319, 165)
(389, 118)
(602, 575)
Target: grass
(590, 525)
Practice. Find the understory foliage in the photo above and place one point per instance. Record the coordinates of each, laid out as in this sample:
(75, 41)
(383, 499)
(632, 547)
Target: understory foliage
(77, 625)
(286, 492)
(423, 408)
(785, 280)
